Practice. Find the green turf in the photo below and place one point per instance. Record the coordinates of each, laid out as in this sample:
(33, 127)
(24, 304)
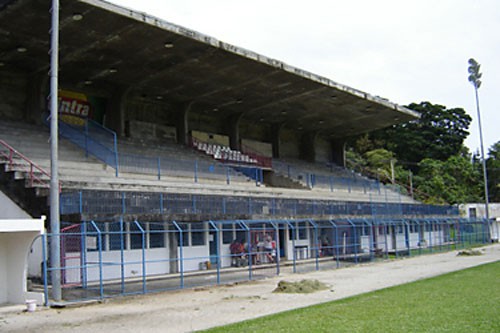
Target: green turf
(464, 301)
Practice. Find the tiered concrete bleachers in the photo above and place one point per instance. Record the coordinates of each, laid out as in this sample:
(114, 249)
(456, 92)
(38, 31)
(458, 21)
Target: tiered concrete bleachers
(328, 177)
(78, 172)
(175, 161)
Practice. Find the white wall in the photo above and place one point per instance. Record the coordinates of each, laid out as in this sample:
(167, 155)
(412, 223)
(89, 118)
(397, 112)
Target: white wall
(9, 209)
(112, 265)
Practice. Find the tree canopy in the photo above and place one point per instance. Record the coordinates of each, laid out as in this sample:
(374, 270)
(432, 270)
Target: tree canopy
(438, 134)
(493, 168)
(430, 151)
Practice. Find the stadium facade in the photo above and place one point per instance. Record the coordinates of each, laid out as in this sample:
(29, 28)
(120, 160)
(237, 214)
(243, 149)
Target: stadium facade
(175, 144)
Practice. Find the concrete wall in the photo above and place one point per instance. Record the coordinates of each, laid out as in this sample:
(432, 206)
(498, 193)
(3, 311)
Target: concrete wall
(151, 131)
(9, 209)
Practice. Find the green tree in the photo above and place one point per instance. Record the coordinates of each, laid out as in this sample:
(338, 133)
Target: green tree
(438, 134)
(493, 168)
(453, 181)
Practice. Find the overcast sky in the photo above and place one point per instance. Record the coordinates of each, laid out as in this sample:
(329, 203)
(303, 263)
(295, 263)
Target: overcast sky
(405, 51)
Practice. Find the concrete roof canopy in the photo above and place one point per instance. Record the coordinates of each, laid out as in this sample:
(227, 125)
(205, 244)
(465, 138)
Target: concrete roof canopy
(104, 47)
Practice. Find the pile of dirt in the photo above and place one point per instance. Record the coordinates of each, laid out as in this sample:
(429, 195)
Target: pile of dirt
(469, 252)
(300, 287)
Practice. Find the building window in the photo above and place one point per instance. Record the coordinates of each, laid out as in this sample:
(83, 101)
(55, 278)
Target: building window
(156, 235)
(472, 213)
(136, 235)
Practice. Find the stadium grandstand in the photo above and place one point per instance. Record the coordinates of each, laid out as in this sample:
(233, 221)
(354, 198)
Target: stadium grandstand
(185, 161)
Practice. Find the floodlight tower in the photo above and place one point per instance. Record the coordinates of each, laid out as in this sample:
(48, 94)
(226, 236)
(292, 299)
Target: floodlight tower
(474, 78)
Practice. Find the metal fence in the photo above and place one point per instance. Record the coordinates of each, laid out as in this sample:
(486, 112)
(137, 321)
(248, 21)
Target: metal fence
(107, 259)
(114, 202)
(94, 139)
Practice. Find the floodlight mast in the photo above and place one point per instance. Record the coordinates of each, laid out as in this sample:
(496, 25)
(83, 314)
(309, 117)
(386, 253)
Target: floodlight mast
(55, 244)
(475, 79)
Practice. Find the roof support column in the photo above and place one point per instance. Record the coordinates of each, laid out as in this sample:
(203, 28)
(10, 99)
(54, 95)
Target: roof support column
(182, 126)
(233, 123)
(36, 104)
(338, 151)
(275, 138)
(115, 111)
(307, 148)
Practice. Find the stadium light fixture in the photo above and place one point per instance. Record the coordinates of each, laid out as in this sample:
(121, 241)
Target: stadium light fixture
(168, 45)
(21, 49)
(77, 17)
(475, 78)
(113, 70)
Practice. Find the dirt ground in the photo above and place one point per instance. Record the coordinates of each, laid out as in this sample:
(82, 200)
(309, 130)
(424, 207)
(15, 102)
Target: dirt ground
(191, 310)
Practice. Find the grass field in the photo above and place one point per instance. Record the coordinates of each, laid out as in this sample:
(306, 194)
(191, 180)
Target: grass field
(464, 301)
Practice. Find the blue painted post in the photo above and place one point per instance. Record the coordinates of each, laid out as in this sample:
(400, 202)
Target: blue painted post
(294, 250)
(355, 240)
(228, 177)
(430, 236)
(115, 146)
(316, 241)
(83, 257)
(122, 256)
(277, 249)
(44, 267)
(143, 238)
(181, 253)
(337, 246)
(161, 203)
(331, 183)
(193, 203)
(80, 202)
(250, 253)
(196, 171)
(101, 284)
(159, 167)
(124, 208)
(223, 205)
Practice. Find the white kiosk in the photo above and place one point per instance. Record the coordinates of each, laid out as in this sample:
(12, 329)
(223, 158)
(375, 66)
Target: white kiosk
(17, 233)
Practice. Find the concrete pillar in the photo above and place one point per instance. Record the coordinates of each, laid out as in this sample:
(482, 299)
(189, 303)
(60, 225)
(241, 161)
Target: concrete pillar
(307, 147)
(338, 151)
(36, 98)
(233, 130)
(115, 110)
(275, 138)
(182, 126)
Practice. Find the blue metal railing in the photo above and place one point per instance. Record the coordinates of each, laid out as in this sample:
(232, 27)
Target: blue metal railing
(333, 178)
(94, 139)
